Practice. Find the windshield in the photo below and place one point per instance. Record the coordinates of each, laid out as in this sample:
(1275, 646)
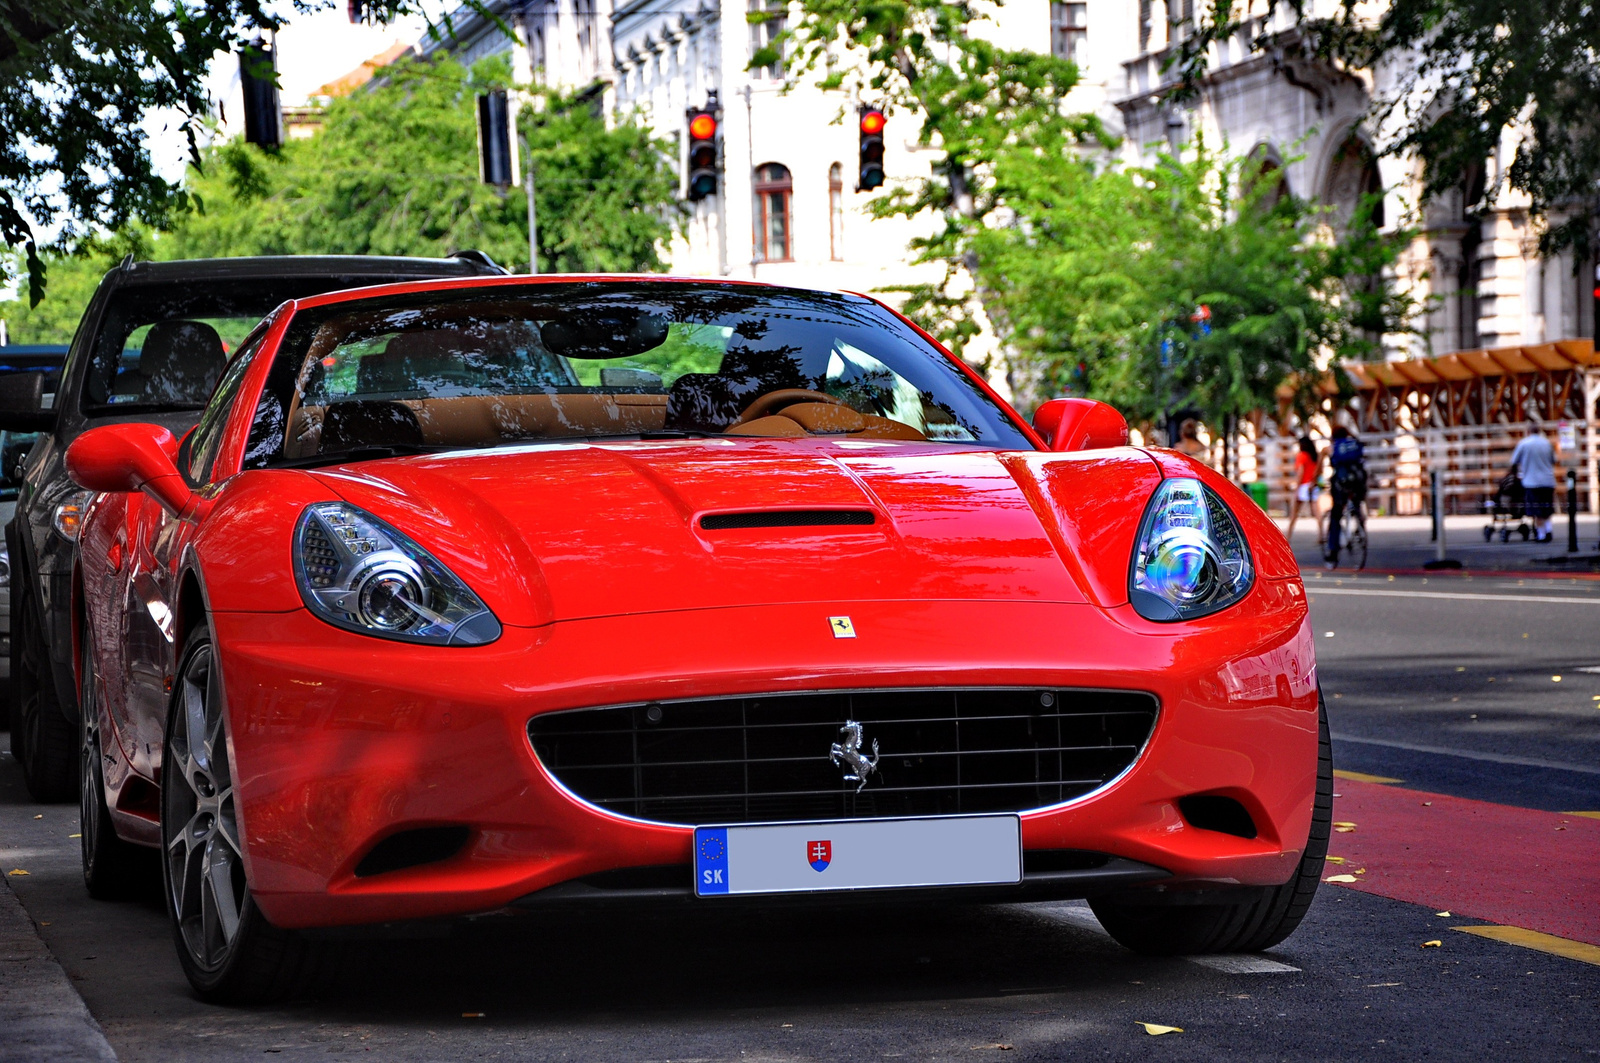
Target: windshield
(163, 346)
(483, 366)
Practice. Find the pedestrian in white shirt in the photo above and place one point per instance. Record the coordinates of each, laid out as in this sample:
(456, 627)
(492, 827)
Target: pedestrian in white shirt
(1534, 462)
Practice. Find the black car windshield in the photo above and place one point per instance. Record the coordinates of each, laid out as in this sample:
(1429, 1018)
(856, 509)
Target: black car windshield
(476, 367)
(162, 345)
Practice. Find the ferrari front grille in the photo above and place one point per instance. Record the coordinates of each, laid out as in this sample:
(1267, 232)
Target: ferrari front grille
(774, 757)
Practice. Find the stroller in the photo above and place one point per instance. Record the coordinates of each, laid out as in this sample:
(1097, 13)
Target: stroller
(1508, 511)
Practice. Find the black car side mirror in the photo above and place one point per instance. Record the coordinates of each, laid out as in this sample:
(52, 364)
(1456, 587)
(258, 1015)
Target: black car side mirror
(22, 403)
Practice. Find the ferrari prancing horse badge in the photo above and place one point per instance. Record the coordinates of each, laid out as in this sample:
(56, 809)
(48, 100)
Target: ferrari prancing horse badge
(842, 627)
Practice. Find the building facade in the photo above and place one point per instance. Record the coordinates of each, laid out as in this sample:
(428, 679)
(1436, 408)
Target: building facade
(788, 209)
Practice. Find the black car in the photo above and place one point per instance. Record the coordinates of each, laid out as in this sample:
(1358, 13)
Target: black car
(14, 447)
(150, 347)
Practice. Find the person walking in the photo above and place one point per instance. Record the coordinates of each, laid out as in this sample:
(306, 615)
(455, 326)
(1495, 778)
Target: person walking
(1307, 468)
(1348, 460)
(1534, 462)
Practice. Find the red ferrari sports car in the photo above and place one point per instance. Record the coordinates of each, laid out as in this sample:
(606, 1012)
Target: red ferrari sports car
(512, 593)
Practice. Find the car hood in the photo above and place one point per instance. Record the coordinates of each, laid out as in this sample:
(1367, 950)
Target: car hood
(563, 532)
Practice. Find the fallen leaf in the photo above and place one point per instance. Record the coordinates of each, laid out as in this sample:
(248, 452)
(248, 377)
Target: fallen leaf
(74, 835)
(472, 1014)
(1340, 878)
(45, 923)
(1442, 915)
(1359, 871)
(16, 871)
(1433, 944)
(1334, 859)
(1155, 1029)
(1343, 824)
(1427, 804)
(39, 816)
(1344, 830)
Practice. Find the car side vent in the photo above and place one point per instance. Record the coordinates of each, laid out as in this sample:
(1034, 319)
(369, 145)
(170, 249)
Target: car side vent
(1222, 814)
(787, 518)
(412, 848)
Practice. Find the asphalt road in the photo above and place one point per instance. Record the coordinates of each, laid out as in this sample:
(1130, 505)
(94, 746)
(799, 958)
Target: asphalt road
(1408, 677)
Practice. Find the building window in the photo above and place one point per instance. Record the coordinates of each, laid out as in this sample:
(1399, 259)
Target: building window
(836, 212)
(764, 35)
(1069, 31)
(1146, 25)
(774, 192)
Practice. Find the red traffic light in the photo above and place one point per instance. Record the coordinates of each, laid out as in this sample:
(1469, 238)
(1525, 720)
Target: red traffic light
(702, 127)
(872, 122)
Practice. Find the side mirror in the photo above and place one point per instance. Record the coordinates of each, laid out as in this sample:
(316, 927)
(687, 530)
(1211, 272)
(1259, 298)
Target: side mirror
(1080, 424)
(130, 457)
(22, 403)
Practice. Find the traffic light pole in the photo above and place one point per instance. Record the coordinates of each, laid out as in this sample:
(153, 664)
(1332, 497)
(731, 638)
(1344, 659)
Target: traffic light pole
(533, 214)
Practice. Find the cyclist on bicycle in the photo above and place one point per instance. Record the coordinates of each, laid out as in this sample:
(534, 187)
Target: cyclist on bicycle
(1348, 461)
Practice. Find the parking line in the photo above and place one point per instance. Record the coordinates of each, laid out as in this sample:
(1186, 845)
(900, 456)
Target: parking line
(1361, 776)
(1532, 939)
(1238, 964)
(1452, 596)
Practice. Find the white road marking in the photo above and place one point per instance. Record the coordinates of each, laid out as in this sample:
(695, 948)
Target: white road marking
(1242, 964)
(1497, 758)
(1453, 596)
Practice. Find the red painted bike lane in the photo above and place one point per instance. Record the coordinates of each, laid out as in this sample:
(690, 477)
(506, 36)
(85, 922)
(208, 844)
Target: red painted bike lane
(1501, 864)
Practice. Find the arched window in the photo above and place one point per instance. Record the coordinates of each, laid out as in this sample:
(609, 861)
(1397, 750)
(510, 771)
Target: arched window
(774, 191)
(836, 212)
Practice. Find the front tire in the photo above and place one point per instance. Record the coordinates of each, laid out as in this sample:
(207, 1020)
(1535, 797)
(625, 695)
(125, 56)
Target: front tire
(1156, 929)
(228, 950)
(43, 740)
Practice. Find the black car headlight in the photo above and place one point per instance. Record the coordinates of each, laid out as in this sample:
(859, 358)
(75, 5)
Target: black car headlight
(1191, 558)
(358, 573)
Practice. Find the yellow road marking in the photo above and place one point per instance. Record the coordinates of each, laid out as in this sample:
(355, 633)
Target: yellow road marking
(1361, 776)
(1590, 815)
(1532, 939)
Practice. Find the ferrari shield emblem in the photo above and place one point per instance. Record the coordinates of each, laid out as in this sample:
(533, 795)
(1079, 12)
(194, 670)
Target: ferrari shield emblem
(820, 854)
(842, 627)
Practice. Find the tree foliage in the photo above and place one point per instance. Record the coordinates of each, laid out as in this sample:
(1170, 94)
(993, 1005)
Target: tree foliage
(1187, 283)
(78, 82)
(1090, 272)
(1468, 70)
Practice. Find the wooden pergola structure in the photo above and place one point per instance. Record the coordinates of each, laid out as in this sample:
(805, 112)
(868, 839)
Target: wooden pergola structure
(1459, 414)
(1504, 385)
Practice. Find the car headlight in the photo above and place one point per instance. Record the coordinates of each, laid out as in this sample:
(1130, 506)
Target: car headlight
(356, 572)
(68, 516)
(1192, 559)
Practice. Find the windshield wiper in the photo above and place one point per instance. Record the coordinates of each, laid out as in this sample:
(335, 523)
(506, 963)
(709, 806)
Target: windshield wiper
(674, 433)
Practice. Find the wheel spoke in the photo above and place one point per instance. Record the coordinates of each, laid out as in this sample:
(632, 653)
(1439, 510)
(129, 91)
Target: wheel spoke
(211, 942)
(194, 717)
(220, 866)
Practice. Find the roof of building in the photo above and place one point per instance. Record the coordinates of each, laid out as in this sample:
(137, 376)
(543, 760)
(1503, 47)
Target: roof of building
(1467, 365)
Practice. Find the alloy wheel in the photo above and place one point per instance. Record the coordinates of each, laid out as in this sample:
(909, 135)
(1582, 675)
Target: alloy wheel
(200, 834)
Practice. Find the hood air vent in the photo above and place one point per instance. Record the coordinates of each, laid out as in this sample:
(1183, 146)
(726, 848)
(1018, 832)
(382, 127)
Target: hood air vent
(787, 518)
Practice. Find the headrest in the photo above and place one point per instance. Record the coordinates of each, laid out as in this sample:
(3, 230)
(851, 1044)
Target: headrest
(180, 361)
(357, 423)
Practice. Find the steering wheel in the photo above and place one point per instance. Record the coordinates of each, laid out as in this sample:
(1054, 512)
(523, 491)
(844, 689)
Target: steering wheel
(773, 401)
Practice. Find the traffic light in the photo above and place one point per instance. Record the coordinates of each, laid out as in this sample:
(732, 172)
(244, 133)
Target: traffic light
(258, 78)
(870, 172)
(703, 168)
(494, 139)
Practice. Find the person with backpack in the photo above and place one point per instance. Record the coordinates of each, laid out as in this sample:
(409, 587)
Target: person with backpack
(1347, 459)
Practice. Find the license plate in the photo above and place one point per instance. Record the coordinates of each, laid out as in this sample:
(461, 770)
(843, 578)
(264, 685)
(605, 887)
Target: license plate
(857, 854)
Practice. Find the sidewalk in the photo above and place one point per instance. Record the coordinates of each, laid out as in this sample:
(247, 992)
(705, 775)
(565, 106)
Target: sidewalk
(42, 1017)
(1402, 544)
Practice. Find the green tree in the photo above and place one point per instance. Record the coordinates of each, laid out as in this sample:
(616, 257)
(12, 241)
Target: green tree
(1078, 262)
(1468, 70)
(1185, 283)
(393, 171)
(79, 79)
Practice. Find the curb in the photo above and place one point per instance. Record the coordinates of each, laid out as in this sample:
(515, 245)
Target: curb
(1461, 573)
(43, 1018)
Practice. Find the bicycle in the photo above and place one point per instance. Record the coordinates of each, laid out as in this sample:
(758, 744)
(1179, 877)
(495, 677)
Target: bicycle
(1353, 534)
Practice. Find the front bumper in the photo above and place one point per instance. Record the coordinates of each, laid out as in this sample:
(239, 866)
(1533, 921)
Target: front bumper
(341, 740)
